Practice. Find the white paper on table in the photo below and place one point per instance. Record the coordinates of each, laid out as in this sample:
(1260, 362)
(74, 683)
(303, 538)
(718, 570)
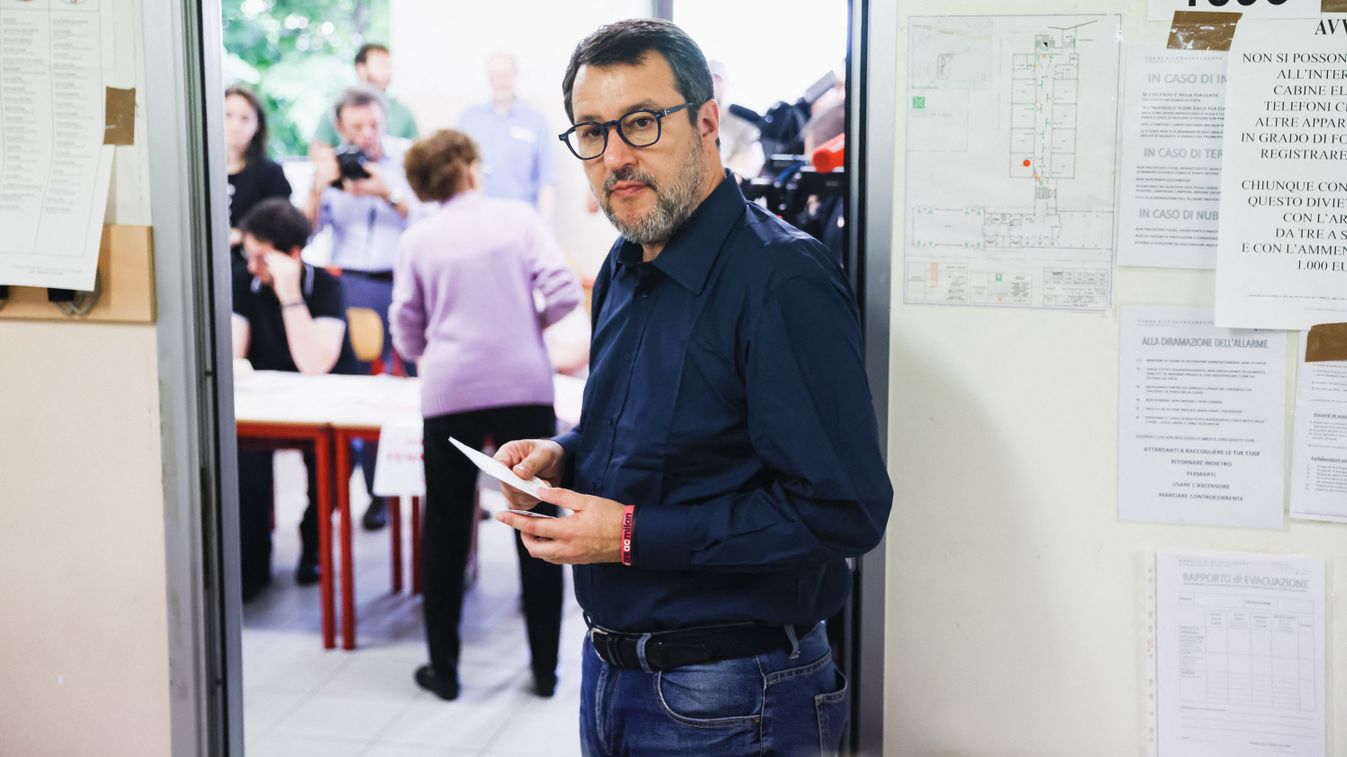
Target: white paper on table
(1319, 453)
(1201, 420)
(1163, 10)
(399, 467)
(1281, 260)
(1011, 145)
(1240, 658)
(490, 467)
(1171, 158)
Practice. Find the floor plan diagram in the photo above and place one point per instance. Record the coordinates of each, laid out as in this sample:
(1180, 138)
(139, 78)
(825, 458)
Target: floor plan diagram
(1010, 159)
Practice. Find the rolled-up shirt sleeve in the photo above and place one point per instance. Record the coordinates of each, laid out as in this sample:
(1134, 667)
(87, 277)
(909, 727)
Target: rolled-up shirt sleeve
(811, 422)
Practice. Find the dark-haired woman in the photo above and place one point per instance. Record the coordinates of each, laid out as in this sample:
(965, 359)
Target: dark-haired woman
(463, 308)
(253, 177)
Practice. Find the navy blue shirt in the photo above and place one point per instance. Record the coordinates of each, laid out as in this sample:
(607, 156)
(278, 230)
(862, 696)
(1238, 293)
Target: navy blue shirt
(727, 400)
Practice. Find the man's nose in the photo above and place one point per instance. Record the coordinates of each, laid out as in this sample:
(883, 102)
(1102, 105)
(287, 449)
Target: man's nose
(618, 153)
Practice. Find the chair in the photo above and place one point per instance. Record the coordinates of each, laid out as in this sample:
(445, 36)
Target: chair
(366, 334)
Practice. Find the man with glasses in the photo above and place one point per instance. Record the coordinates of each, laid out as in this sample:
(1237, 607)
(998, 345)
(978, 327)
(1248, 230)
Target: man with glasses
(727, 460)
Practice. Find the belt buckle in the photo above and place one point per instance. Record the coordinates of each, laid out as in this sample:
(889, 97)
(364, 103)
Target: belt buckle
(606, 650)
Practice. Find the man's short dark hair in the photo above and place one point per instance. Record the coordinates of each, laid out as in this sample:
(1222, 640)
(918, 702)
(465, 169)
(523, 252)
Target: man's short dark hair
(358, 97)
(278, 223)
(628, 42)
(362, 54)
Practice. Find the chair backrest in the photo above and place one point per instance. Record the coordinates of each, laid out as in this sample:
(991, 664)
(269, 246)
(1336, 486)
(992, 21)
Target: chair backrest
(367, 333)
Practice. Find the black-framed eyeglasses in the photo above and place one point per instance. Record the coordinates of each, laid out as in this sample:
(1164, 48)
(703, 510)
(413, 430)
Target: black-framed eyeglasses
(640, 128)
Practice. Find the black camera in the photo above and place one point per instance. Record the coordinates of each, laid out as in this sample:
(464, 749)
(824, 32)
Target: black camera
(350, 165)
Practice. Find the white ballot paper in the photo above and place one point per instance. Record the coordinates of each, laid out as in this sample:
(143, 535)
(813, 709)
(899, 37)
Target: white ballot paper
(1319, 455)
(1011, 139)
(1171, 158)
(1201, 420)
(499, 472)
(1240, 658)
(1281, 260)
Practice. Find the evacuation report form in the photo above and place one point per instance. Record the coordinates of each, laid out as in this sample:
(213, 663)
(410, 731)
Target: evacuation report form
(1240, 655)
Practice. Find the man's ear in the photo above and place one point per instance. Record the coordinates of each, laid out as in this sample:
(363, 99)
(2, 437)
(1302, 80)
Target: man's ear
(708, 119)
(295, 252)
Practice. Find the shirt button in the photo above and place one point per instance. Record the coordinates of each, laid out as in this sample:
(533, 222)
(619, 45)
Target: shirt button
(627, 357)
(644, 295)
(612, 422)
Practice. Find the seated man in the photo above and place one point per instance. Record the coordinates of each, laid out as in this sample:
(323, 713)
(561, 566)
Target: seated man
(288, 316)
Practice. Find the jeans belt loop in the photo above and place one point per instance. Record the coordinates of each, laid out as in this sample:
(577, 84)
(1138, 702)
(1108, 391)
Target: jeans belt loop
(794, 641)
(640, 652)
(610, 646)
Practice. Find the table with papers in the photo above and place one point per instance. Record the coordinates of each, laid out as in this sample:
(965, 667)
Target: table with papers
(328, 412)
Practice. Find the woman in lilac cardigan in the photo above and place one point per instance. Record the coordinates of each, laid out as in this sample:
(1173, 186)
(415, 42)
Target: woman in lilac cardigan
(464, 310)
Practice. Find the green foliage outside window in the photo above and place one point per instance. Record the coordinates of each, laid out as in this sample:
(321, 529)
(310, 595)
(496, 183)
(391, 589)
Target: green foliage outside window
(297, 56)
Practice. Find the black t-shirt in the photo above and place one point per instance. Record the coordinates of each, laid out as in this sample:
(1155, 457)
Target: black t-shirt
(268, 346)
(259, 180)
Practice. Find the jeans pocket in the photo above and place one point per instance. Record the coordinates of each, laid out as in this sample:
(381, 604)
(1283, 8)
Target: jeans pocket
(834, 713)
(721, 694)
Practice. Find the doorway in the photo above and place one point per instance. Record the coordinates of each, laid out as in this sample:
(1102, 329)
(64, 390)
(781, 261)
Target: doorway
(866, 262)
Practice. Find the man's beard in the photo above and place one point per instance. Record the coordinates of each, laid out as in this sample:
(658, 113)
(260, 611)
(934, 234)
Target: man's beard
(673, 204)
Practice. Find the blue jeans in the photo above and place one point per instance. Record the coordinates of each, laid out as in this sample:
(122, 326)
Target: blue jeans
(774, 703)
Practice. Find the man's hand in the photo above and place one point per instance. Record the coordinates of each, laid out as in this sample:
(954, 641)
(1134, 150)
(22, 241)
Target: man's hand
(373, 186)
(325, 169)
(543, 458)
(285, 271)
(590, 534)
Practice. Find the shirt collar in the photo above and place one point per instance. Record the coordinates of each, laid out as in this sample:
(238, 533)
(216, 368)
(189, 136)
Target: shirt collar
(690, 253)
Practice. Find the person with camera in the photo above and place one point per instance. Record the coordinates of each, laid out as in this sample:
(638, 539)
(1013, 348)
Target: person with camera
(360, 192)
(727, 461)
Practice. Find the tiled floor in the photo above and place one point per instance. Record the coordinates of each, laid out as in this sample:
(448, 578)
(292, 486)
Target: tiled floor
(300, 699)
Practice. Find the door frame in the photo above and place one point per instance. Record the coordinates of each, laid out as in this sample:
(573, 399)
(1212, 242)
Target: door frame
(184, 116)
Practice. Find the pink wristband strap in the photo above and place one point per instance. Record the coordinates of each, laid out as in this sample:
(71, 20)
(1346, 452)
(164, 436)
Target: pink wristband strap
(628, 521)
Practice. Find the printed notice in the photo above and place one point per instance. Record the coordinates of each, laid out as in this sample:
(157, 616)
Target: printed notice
(1171, 158)
(1163, 10)
(1282, 252)
(1240, 658)
(1319, 455)
(1202, 416)
(1010, 161)
(54, 167)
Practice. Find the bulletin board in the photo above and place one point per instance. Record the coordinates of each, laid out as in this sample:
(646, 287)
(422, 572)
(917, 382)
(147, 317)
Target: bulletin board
(1018, 602)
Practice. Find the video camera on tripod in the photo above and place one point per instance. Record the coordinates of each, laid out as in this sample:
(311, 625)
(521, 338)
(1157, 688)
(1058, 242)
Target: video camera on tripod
(790, 179)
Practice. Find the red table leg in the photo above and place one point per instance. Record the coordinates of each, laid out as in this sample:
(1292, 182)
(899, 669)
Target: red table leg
(343, 464)
(416, 545)
(395, 514)
(322, 456)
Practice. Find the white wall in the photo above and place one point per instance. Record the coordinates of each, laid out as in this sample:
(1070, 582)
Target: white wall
(772, 49)
(439, 58)
(83, 645)
(1014, 604)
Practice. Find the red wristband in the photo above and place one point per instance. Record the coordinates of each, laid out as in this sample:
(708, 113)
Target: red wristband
(628, 521)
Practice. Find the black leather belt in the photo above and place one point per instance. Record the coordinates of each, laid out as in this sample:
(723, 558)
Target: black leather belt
(375, 275)
(667, 650)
